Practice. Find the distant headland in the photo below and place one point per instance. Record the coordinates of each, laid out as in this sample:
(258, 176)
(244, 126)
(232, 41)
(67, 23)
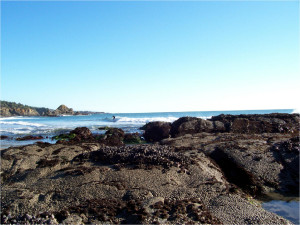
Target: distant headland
(8, 109)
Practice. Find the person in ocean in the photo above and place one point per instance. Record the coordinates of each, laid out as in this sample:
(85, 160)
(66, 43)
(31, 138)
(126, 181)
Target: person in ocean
(114, 117)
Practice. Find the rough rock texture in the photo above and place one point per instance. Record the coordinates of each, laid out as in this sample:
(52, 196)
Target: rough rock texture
(113, 137)
(82, 133)
(90, 183)
(8, 109)
(256, 123)
(29, 137)
(132, 138)
(192, 125)
(5, 112)
(256, 163)
(156, 131)
(61, 110)
(242, 124)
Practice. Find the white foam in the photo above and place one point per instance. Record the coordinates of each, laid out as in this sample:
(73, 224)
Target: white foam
(296, 110)
(22, 123)
(18, 118)
(145, 120)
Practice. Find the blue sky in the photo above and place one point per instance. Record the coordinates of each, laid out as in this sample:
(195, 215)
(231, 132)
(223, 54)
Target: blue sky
(151, 56)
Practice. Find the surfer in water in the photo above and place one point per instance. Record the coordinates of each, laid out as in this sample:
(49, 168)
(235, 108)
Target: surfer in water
(114, 117)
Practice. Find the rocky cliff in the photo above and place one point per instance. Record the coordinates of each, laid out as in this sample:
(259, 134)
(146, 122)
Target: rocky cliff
(16, 109)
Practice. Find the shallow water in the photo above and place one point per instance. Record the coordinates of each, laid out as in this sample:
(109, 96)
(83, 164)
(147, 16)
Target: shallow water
(287, 209)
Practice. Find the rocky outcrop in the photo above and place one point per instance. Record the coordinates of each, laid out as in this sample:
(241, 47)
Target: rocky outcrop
(132, 138)
(141, 184)
(3, 137)
(5, 112)
(82, 133)
(192, 125)
(29, 137)
(203, 174)
(256, 163)
(156, 131)
(242, 124)
(113, 137)
(61, 110)
(13, 109)
(257, 124)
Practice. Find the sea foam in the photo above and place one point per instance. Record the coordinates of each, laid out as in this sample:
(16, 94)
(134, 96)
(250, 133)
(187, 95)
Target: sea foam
(145, 120)
(22, 123)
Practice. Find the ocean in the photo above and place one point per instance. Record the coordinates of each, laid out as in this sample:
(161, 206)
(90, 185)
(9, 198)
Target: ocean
(47, 127)
(14, 127)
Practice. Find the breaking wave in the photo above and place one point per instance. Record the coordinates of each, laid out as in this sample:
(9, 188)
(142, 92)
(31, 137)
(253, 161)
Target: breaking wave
(22, 123)
(145, 120)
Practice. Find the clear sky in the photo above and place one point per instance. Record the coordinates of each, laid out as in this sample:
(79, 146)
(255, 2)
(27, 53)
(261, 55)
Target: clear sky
(151, 56)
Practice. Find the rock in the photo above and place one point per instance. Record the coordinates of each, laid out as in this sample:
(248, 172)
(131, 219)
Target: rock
(191, 125)
(102, 184)
(257, 123)
(73, 219)
(64, 137)
(13, 109)
(64, 109)
(287, 154)
(113, 137)
(104, 128)
(79, 134)
(156, 131)
(132, 138)
(82, 133)
(2, 137)
(29, 137)
(256, 163)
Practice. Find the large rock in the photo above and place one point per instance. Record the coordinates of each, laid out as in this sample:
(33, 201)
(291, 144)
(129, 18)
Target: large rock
(82, 133)
(113, 137)
(156, 131)
(192, 125)
(61, 110)
(29, 137)
(139, 184)
(5, 111)
(257, 123)
(256, 163)
(65, 110)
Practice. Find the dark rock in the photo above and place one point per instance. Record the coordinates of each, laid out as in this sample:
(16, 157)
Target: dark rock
(63, 137)
(192, 125)
(132, 138)
(2, 137)
(47, 163)
(156, 131)
(144, 156)
(235, 172)
(82, 133)
(79, 134)
(29, 137)
(104, 128)
(112, 137)
(260, 123)
(257, 163)
(287, 153)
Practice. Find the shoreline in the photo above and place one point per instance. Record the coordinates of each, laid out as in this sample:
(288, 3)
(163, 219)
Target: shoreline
(165, 181)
